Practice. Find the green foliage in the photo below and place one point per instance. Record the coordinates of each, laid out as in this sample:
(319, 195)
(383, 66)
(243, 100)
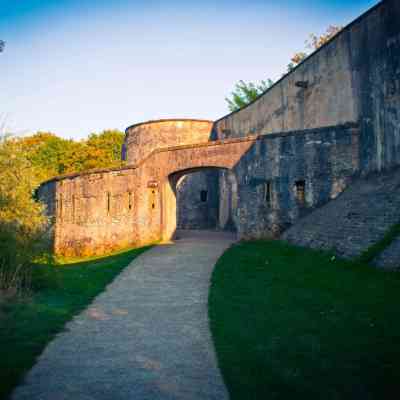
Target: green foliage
(60, 292)
(2, 45)
(244, 93)
(283, 316)
(24, 163)
(110, 142)
(51, 155)
(102, 150)
(46, 152)
(22, 223)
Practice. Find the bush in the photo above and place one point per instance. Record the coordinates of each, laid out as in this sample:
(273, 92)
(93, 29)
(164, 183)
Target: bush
(23, 225)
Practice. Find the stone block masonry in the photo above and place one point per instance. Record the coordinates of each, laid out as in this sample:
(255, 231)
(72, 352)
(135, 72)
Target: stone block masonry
(354, 221)
(101, 211)
(294, 149)
(353, 78)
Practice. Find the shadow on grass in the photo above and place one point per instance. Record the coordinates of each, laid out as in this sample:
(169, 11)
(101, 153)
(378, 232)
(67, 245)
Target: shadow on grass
(60, 291)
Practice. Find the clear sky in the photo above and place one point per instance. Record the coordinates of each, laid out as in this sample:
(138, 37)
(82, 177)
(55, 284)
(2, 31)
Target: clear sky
(77, 66)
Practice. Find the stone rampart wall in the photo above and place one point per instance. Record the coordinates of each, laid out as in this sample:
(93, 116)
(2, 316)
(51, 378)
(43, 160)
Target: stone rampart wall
(355, 220)
(336, 116)
(99, 212)
(354, 78)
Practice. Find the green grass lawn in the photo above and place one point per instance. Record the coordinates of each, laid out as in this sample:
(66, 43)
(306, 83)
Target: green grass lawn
(291, 323)
(60, 292)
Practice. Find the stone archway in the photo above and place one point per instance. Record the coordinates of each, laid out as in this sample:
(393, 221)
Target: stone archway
(227, 200)
(197, 198)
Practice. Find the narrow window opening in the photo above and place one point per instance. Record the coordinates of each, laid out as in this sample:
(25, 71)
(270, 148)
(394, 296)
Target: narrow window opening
(153, 204)
(60, 206)
(73, 208)
(301, 192)
(268, 194)
(203, 196)
(130, 200)
(108, 202)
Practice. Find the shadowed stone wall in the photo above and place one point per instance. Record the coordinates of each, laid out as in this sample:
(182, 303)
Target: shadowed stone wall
(285, 176)
(355, 220)
(198, 200)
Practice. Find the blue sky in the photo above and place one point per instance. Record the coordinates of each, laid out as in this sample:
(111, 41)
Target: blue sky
(77, 66)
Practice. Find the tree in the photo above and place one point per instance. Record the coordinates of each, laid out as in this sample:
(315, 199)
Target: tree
(51, 155)
(23, 225)
(46, 153)
(108, 144)
(244, 93)
(2, 45)
(314, 43)
(24, 163)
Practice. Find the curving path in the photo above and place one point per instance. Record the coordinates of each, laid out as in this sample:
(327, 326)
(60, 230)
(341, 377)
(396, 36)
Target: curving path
(145, 338)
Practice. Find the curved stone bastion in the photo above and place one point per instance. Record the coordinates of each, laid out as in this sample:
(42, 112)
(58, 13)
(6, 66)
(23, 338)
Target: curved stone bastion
(256, 171)
(143, 138)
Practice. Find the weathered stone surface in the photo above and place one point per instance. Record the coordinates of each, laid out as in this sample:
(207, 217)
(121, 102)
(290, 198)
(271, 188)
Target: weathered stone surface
(354, 78)
(289, 152)
(103, 211)
(141, 139)
(354, 221)
(324, 159)
(193, 210)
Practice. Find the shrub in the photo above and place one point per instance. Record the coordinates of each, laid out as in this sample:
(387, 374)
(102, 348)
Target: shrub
(23, 225)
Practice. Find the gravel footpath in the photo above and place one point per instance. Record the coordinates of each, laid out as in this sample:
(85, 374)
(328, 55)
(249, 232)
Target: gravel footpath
(145, 337)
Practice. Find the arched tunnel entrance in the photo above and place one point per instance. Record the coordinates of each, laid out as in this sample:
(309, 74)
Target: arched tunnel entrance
(202, 198)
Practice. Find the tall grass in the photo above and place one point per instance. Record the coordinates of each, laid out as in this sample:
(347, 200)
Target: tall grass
(18, 249)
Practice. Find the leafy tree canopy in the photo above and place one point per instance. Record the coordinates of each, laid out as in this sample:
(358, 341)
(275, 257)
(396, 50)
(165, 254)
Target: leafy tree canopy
(244, 93)
(52, 155)
(22, 221)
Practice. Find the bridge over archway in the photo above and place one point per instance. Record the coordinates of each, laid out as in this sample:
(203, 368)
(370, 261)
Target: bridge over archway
(162, 169)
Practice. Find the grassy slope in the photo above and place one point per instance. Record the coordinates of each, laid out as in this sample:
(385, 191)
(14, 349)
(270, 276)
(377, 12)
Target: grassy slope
(376, 249)
(60, 293)
(294, 323)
